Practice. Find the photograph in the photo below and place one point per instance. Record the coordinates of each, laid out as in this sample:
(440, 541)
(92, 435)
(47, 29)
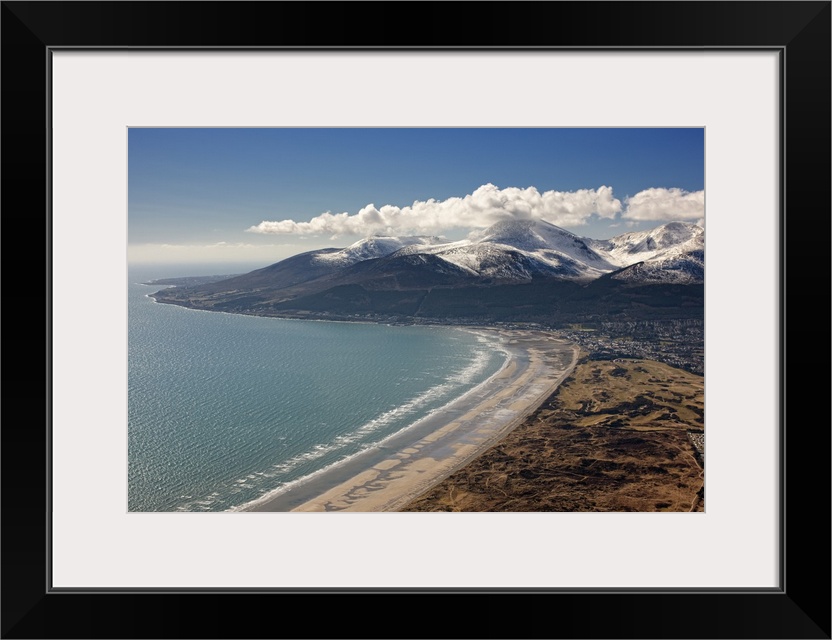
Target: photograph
(444, 276)
(416, 319)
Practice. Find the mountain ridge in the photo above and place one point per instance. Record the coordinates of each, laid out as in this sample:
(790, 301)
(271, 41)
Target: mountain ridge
(493, 272)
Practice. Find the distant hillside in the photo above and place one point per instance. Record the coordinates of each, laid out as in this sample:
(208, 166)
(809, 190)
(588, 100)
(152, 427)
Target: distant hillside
(513, 271)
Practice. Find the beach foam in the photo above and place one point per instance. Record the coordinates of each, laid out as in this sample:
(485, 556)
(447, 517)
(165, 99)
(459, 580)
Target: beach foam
(427, 451)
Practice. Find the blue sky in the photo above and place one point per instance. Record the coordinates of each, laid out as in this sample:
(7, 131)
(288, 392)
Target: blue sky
(258, 195)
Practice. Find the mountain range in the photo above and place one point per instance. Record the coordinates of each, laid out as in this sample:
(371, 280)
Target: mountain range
(513, 270)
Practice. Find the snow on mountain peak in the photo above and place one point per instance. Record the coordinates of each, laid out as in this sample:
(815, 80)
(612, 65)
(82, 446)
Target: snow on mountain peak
(375, 247)
(523, 234)
(520, 249)
(665, 241)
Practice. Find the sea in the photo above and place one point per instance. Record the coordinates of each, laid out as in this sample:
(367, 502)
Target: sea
(224, 409)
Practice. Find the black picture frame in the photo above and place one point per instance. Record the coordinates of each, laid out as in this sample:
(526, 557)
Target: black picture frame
(799, 31)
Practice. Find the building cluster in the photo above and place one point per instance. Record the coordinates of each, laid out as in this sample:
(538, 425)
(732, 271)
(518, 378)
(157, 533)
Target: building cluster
(697, 439)
(676, 343)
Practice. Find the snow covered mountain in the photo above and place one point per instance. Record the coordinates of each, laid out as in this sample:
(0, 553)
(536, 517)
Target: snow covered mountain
(520, 250)
(673, 252)
(373, 247)
(673, 237)
(507, 253)
(561, 276)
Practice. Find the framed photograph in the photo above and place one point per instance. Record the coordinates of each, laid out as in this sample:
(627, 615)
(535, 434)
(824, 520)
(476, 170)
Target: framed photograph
(372, 360)
(87, 85)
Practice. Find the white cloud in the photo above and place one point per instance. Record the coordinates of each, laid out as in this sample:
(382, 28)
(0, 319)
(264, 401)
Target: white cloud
(485, 206)
(665, 204)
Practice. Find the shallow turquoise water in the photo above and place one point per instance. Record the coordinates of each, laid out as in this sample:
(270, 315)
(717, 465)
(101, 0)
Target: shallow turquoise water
(223, 408)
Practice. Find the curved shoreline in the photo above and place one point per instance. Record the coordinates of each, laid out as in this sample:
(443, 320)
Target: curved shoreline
(406, 465)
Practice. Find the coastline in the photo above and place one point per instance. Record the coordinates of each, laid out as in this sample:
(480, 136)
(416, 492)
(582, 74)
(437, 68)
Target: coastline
(410, 463)
(622, 435)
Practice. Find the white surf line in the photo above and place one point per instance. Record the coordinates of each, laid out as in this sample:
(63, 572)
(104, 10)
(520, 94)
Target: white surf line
(405, 474)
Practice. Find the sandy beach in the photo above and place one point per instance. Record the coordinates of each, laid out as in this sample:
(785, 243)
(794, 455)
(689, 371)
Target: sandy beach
(406, 465)
(620, 435)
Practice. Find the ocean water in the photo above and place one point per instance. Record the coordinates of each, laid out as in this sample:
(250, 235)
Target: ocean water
(225, 408)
